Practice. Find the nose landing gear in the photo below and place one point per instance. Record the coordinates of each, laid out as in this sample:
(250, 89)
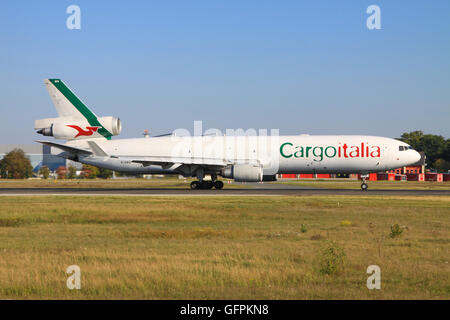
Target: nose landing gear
(364, 185)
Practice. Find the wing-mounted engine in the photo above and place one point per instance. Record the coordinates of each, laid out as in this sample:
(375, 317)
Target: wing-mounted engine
(243, 173)
(67, 128)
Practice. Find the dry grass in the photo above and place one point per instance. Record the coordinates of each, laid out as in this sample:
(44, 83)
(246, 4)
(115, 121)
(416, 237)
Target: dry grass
(166, 182)
(172, 182)
(222, 247)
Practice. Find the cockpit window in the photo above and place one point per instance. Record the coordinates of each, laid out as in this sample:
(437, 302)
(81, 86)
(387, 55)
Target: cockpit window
(404, 148)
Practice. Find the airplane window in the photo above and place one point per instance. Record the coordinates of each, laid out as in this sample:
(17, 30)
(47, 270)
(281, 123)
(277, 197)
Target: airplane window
(411, 148)
(401, 148)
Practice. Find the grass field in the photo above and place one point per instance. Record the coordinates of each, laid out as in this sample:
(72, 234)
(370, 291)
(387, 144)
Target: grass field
(224, 247)
(167, 182)
(175, 183)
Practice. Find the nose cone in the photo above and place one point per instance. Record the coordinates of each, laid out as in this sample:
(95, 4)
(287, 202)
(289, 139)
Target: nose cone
(416, 156)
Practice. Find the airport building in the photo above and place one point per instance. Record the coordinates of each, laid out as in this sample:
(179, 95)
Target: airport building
(39, 155)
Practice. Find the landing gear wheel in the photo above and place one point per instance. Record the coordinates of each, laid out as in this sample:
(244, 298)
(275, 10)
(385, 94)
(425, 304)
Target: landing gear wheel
(364, 186)
(206, 185)
(195, 185)
(218, 184)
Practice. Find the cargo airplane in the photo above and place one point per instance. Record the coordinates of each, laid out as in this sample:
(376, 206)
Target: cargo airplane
(242, 158)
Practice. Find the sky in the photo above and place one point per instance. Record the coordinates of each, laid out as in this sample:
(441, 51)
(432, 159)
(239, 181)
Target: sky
(297, 66)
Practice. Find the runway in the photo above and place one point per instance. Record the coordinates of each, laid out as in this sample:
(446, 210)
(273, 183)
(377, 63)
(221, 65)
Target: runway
(230, 191)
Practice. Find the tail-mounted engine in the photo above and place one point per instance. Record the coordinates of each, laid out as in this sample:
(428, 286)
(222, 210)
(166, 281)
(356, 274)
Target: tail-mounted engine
(69, 129)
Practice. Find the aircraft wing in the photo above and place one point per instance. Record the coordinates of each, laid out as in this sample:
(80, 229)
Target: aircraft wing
(147, 161)
(197, 161)
(186, 165)
(163, 161)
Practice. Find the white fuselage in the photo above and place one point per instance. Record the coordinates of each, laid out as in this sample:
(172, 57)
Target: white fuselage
(281, 154)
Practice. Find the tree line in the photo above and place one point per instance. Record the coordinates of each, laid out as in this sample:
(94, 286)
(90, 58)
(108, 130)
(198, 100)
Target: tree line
(435, 147)
(16, 165)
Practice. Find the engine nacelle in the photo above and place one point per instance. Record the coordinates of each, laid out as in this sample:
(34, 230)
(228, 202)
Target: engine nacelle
(112, 124)
(243, 173)
(68, 129)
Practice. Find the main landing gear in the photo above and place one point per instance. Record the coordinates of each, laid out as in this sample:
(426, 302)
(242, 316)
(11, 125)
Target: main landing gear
(364, 185)
(209, 184)
(206, 184)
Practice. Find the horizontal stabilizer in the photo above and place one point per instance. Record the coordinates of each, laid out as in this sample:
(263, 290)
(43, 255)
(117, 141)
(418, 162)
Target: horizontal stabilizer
(66, 148)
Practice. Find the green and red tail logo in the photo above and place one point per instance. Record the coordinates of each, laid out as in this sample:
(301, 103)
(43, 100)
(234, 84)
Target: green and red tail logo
(81, 132)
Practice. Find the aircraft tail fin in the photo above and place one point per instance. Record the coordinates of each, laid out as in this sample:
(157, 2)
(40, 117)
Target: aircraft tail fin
(66, 102)
(76, 120)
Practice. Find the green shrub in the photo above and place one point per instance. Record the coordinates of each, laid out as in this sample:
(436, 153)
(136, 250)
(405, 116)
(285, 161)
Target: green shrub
(303, 228)
(396, 231)
(332, 259)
